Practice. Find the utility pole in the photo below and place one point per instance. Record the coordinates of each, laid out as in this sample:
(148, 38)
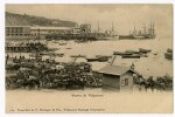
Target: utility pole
(113, 59)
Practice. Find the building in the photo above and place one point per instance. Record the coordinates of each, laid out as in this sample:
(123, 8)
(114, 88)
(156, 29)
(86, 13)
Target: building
(85, 28)
(50, 30)
(18, 32)
(117, 77)
(76, 30)
(44, 31)
(28, 32)
(40, 32)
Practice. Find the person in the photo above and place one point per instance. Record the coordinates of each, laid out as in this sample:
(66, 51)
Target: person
(7, 57)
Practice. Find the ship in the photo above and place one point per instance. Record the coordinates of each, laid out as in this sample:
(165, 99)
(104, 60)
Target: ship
(141, 34)
(112, 35)
(84, 34)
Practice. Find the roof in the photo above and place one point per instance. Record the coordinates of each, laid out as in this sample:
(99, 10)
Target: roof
(114, 70)
(16, 44)
(18, 26)
(51, 28)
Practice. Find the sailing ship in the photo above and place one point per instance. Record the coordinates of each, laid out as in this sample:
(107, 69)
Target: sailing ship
(146, 33)
(108, 34)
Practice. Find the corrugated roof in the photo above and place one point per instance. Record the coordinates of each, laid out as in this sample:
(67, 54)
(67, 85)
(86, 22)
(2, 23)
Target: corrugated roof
(18, 26)
(114, 70)
(52, 28)
(16, 44)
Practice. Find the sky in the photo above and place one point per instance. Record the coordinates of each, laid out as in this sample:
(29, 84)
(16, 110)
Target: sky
(123, 17)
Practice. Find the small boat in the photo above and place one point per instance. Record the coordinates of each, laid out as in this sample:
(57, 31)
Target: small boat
(132, 52)
(127, 52)
(55, 54)
(78, 56)
(131, 56)
(141, 50)
(68, 48)
(169, 54)
(92, 59)
(143, 55)
(121, 53)
(98, 58)
(155, 53)
(102, 58)
(117, 53)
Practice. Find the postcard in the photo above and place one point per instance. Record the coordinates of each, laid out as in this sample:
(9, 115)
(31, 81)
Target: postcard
(89, 58)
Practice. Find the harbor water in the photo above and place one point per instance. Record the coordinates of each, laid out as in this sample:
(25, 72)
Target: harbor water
(154, 65)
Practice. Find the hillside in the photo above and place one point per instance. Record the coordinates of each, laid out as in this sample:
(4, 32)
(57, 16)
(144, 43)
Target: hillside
(13, 19)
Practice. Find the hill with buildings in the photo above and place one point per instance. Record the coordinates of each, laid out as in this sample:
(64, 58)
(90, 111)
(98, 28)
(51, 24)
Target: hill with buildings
(13, 19)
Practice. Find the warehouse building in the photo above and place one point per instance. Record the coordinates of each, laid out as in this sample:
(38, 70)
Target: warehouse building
(18, 32)
(36, 32)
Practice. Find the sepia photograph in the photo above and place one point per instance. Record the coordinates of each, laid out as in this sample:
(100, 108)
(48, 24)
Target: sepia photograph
(89, 58)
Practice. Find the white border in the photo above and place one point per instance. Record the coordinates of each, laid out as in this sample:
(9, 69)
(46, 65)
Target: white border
(2, 54)
(89, 1)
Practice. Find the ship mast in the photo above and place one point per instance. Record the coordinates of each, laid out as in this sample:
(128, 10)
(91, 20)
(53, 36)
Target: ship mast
(112, 30)
(153, 29)
(134, 31)
(98, 27)
(144, 29)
